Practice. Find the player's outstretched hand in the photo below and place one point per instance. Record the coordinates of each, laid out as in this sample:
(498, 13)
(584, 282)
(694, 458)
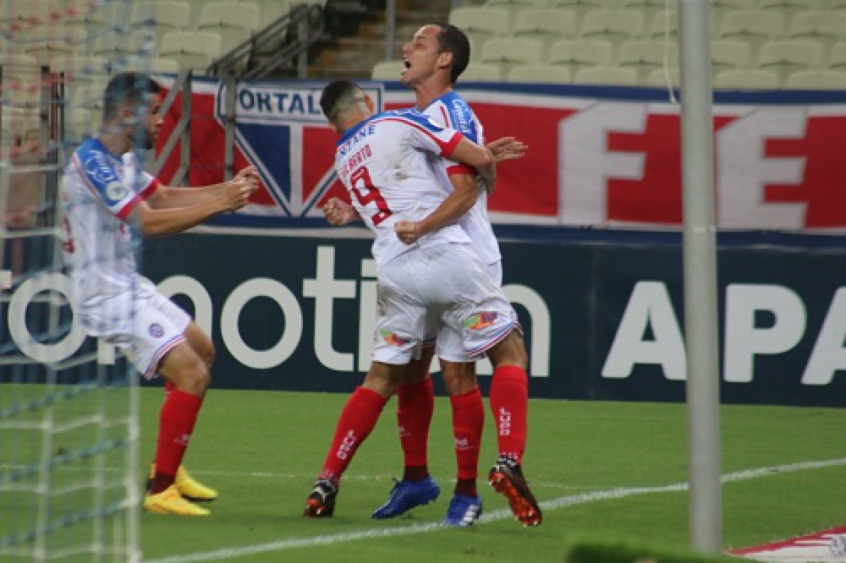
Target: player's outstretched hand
(407, 231)
(248, 172)
(238, 192)
(507, 148)
(338, 212)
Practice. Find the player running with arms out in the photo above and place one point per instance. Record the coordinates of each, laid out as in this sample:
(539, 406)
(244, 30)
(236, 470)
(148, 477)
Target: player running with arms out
(108, 203)
(439, 277)
(435, 58)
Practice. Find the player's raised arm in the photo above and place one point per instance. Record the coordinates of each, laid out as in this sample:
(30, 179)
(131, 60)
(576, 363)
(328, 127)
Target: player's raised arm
(168, 197)
(156, 222)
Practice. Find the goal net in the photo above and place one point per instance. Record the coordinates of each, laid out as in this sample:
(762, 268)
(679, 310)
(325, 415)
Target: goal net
(70, 486)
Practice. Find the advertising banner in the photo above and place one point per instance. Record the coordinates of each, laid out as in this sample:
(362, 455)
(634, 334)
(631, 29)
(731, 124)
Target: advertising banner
(604, 157)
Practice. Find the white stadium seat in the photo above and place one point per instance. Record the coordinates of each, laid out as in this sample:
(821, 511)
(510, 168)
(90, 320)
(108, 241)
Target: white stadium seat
(577, 54)
(191, 49)
(387, 70)
(617, 26)
(614, 76)
(788, 56)
(511, 52)
(482, 73)
(481, 24)
(817, 80)
(541, 74)
(546, 25)
(746, 80)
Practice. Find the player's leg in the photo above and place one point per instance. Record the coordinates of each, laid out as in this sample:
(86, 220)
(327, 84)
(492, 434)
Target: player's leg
(468, 422)
(186, 484)
(415, 406)
(509, 401)
(490, 326)
(357, 420)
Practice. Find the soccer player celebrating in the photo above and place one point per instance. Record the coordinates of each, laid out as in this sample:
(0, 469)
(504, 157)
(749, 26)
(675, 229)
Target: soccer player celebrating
(108, 203)
(426, 267)
(435, 58)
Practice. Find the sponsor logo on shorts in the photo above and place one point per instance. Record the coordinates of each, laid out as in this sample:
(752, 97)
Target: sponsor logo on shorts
(156, 330)
(392, 339)
(480, 321)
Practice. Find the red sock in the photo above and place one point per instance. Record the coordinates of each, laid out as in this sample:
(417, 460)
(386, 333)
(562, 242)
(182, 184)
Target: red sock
(468, 421)
(415, 405)
(509, 397)
(356, 422)
(176, 424)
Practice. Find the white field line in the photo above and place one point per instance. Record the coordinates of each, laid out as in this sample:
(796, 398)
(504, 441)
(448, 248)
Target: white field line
(553, 504)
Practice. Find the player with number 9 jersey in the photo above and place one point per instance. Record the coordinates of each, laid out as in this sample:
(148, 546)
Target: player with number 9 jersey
(390, 179)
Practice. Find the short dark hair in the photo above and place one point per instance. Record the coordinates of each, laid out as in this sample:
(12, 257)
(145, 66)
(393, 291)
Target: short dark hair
(127, 88)
(453, 40)
(337, 96)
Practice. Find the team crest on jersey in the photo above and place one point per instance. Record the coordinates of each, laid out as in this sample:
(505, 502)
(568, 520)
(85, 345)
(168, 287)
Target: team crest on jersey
(278, 126)
(392, 338)
(156, 330)
(480, 321)
(115, 191)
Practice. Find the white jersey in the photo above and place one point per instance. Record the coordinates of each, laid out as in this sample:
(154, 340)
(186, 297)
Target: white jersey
(383, 164)
(452, 110)
(99, 191)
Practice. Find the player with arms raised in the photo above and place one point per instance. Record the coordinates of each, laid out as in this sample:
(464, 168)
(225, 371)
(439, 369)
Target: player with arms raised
(108, 203)
(382, 161)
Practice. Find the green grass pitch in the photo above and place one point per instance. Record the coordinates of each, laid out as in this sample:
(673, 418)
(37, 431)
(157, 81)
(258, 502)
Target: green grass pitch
(599, 469)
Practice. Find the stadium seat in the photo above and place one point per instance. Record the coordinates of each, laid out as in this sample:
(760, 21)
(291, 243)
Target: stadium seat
(645, 56)
(837, 57)
(647, 7)
(232, 22)
(826, 27)
(510, 52)
(482, 73)
(540, 73)
(663, 25)
(93, 16)
(785, 57)
(145, 64)
(577, 54)
(753, 26)
(162, 15)
(21, 79)
(746, 80)
(614, 76)
(113, 46)
(617, 26)
(47, 42)
(79, 124)
(658, 77)
(387, 70)
(481, 24)
(547, 26)
(727, 54)
(191, 49)
(88, 97)
(513, 7)
(790, 7)
(272, 10)
(816, 80)
(584, 5)
(28, 14)
(75, 72)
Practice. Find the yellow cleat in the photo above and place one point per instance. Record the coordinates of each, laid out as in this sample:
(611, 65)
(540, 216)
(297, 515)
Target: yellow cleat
(187, 486)
(170, 501)
(192, 489)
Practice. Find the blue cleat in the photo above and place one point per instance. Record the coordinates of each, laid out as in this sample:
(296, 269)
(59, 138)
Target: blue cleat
(407, 495)
(463, 511)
